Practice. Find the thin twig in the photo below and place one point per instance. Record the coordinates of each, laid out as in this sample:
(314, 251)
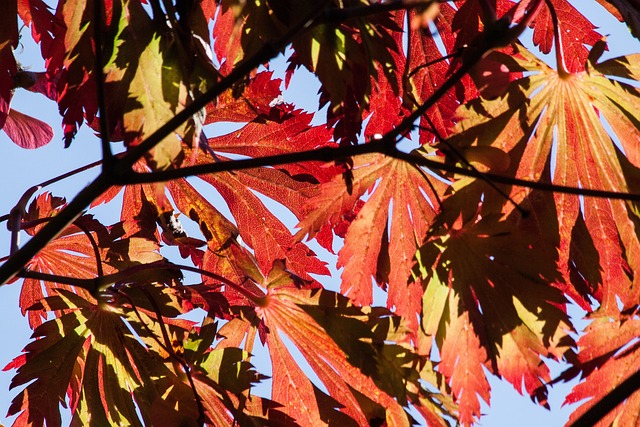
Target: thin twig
(169, 349)
(185, 366)
(15, 217)
(31, 191)
(98, 284)
(94, 245)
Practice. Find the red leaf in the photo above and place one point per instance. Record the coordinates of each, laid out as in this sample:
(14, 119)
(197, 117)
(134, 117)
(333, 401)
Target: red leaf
(8, 68)
(402, 198)
(26, 131)
(257, 99)
(266, 138)
(463, 358)
(609, 354)
(283, 315)
(500, 302)
(575, 29)
(428, 71)
(385, 88)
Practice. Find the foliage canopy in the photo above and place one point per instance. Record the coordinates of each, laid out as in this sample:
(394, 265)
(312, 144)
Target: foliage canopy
(519, 199)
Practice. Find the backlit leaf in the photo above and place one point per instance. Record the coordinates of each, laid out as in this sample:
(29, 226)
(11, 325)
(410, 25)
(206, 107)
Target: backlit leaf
(546, 117)
(486, 296)
(89, 351)
(401, 198)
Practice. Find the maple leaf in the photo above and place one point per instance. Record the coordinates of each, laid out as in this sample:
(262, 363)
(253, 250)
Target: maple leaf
(224, 256)
(89, 353)
(339, 55)
(281, 132)
(575, 29)
(545, 110)
(389, 226)
(25, 131)
(464, 369)
(286, 185)
(50, 260)
(258, 98)
(142, 100)
(223, 378)
(487, 305)
(77, 84)
(242, 28)
(49, 31)
(385, 88)
(460, 30)
(361, 377)
(428, 70)
(68, 255)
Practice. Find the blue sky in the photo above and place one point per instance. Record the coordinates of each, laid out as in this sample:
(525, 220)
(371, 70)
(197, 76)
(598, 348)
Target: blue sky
(20, 169)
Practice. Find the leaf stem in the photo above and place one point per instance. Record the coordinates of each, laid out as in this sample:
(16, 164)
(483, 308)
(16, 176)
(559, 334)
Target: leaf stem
(557, 40)
(15, 217)
(94, 245)
(107, 155)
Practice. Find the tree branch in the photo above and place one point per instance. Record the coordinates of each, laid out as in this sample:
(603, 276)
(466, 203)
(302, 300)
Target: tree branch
(53, 228)
(100, 283)
(122, 169)
(332, 154)
(32, 190)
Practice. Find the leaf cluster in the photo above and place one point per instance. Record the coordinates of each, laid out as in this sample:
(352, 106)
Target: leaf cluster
(518, 198)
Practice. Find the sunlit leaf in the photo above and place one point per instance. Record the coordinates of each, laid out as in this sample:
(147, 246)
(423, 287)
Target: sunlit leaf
(393, 220)
(551, 117)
